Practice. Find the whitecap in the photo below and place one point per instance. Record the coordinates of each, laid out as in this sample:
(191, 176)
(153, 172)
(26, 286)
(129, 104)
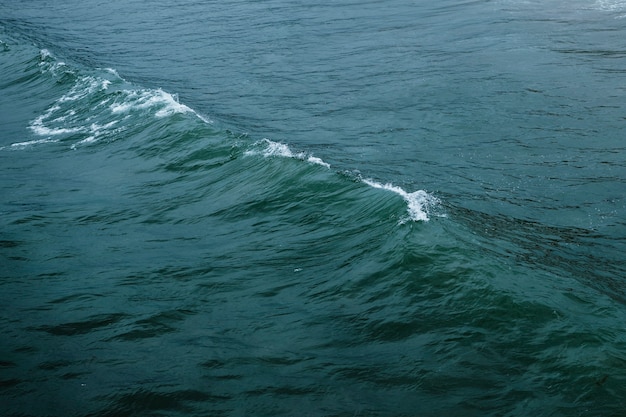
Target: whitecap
(171, 105)
(113, 72)
(108, 96)
(318, 161)
(418, 202)
(145, 99)
(44, 54)
(271, 148)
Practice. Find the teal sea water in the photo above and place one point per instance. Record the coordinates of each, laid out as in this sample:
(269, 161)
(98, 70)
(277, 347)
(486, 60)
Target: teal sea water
(286, 208)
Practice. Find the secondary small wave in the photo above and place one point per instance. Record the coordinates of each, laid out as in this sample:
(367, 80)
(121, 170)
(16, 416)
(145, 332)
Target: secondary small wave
(19, 145)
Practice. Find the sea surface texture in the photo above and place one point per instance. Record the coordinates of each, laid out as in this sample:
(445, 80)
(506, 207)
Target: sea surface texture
(296, 208)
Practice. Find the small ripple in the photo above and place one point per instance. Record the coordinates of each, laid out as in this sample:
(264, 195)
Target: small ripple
(53, 365)
(95, 322)
(155, 326)
(147, 402)
(8, 383)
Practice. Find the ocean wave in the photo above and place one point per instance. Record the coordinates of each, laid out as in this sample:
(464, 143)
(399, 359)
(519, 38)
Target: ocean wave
(419, 203)
(106, 106)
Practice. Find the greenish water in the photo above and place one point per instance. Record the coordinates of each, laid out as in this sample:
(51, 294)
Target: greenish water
(337, 209)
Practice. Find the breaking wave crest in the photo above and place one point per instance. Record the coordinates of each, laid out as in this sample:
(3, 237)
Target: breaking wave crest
(97, 107)
(419, 203)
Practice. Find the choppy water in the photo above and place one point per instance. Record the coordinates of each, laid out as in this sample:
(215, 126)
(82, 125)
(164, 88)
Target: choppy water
(277, 208)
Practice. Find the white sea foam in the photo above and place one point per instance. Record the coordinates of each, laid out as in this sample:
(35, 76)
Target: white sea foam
(97, 131)
(611, 5)
(113, 72)
(318, 161)
(48, 64)
(51, 123)
(95, 104)
(165, 103)
(147, 98)
(171, 105)
(417, 202)
(39, 128)
(31, 142)
(67, 115)
(271, 148)
(44, 54)
(84, 87)
(278, 149)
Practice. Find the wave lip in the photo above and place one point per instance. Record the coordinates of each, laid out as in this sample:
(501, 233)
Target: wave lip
(271, 148)
(418, 202)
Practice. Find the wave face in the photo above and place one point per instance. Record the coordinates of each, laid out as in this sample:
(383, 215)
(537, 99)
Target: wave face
(264, 209)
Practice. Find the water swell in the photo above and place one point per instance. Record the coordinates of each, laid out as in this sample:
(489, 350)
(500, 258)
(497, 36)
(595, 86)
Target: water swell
(103, 107)
(157, 264)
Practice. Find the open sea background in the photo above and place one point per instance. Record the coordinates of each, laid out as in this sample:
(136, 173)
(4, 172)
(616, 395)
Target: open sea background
(286, 208)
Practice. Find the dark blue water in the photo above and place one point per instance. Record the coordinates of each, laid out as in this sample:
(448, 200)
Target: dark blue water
(335, 209)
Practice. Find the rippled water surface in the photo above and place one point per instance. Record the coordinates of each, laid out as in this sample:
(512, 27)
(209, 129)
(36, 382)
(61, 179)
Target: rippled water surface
(279, 208)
